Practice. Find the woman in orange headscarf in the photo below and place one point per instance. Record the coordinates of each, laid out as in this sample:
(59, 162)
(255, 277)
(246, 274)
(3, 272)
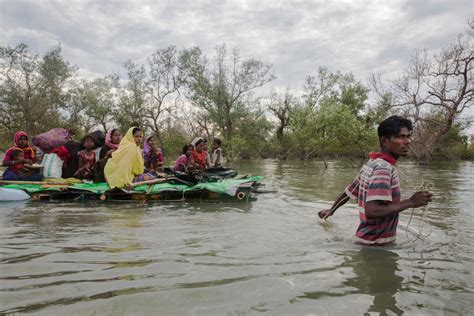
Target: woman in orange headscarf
(18, 160)
(20, 141)
(200, 154)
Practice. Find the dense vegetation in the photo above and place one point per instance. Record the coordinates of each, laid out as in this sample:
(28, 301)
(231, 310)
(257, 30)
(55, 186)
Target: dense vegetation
(179, 94)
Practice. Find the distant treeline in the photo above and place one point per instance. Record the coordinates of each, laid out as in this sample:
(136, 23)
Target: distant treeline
(180, 94)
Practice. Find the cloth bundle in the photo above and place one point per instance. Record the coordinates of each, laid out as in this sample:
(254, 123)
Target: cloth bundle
(51, 139)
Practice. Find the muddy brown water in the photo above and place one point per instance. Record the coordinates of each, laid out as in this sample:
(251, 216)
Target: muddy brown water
(271, 255)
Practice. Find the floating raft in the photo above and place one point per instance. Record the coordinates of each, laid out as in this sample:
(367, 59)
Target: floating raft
(225, 189)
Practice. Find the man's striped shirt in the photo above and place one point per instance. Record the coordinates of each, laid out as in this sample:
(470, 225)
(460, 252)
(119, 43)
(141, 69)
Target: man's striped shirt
(377, 180)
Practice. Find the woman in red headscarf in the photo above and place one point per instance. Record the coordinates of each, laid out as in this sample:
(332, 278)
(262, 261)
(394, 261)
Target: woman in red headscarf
(20, 141)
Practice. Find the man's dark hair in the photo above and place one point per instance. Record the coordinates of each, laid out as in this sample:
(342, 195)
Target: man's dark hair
(217, 141)
(392, 126)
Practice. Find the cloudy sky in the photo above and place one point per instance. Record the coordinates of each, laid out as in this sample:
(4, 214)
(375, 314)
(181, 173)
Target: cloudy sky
(297, 37)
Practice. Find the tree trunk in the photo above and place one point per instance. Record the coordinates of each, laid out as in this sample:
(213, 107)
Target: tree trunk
(429, 146)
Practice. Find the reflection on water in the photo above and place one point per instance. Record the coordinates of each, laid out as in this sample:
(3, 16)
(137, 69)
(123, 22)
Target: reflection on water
(375, 271)
(271, 255)
(374, 274)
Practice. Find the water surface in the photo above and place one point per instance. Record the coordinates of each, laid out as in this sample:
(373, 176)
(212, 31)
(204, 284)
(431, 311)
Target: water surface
(271, 255)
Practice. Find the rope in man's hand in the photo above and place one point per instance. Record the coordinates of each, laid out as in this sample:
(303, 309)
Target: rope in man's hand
(423, 187)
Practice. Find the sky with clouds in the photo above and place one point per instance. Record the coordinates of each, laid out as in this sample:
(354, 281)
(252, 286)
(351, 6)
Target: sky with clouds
(297, 37)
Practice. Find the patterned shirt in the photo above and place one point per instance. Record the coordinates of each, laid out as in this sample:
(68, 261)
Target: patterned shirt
(377, 180)
(88, 159)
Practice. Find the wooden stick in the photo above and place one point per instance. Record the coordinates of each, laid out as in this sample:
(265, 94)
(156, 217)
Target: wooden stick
(42, 183)
(153, 181)
(55, 185)
(34, 182)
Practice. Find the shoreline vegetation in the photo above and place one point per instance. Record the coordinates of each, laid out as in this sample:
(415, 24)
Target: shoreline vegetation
(180, 94)
(468, 155)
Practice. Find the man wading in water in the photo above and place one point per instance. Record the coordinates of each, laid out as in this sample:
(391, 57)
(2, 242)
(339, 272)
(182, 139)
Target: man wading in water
(376, 188)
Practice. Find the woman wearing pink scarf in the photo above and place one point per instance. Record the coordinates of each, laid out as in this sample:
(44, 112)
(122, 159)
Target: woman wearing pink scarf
(112, 141)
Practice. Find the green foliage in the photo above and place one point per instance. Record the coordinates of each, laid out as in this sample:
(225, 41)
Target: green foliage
(174, 139)
(336, 127)
(179, 95)
(304, 128)
(222, 88)
(332, 130)
(452, 145)
(252, 129)
(92, 103)
(335, 118)
(468, 153)
(33, 94)
(281, 107)
(132, 97)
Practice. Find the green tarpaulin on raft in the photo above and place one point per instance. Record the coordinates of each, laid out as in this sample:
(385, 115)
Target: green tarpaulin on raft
(159, 187)
(99, 187)
(226, 186)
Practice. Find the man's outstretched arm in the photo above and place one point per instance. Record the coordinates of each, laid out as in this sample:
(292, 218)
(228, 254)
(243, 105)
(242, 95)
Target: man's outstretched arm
(340, 201)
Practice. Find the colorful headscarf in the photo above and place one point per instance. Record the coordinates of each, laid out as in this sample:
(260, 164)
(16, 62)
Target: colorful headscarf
(126, 162)
(147, 151)
(28, 151)
(195, 140)
(108, 139)
(146, 147)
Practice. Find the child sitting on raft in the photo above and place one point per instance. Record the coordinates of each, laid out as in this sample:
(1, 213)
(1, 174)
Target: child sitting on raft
(216, 156)
(154, 161)
(200, 154)
(21, 169)
(185, 162)
(152, 155)
(87, 158)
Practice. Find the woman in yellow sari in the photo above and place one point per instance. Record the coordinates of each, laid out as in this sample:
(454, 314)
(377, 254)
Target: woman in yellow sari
(126, 161)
